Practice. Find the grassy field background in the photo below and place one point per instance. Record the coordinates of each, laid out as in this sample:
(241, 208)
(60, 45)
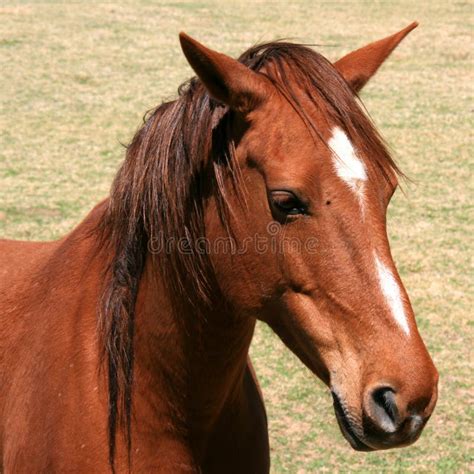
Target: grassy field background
(77, 78)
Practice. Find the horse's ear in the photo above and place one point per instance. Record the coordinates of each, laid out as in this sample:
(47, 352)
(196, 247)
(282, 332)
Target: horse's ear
(226, 79)
(360, 65)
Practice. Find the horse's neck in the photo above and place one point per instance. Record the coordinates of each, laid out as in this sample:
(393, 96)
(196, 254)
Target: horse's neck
(186, 366)
(192, 363)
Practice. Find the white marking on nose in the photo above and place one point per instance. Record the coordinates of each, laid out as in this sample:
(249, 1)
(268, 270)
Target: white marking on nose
(393, 296)
(349, 167)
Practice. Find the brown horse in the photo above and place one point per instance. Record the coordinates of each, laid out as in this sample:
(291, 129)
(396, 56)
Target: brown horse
(260, 193)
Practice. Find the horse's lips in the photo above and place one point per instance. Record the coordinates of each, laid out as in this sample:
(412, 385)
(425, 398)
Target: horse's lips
(346, 429)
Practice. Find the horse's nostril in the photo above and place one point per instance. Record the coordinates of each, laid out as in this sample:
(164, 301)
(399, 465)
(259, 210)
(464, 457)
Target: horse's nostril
(383, 408)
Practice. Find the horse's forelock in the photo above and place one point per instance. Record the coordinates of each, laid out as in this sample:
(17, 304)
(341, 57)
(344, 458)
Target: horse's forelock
(295, 69)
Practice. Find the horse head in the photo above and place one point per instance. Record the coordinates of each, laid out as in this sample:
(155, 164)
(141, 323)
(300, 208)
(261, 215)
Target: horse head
(314, 183)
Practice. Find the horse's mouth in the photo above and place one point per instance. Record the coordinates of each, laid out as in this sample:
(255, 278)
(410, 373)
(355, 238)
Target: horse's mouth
(346, 427)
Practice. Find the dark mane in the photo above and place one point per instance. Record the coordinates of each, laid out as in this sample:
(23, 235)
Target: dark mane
(180, 156)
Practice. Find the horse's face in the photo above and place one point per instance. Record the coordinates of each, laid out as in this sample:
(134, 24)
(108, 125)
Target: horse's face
(336, 298)
(316, 264)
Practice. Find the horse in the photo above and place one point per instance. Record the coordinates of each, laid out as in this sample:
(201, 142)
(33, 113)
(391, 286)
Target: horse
(260, 193)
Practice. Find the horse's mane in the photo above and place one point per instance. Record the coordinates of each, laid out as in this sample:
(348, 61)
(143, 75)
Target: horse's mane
(180, 156)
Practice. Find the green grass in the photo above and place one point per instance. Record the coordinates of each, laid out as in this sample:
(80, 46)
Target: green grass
(77, 78)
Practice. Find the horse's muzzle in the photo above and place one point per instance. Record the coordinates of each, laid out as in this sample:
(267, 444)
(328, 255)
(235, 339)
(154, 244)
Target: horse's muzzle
(386, 421)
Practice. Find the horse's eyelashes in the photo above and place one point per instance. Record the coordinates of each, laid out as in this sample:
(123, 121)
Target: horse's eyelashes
(287, 202)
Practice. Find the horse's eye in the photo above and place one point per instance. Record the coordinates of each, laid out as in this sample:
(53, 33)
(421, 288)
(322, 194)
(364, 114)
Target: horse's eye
(286, 202)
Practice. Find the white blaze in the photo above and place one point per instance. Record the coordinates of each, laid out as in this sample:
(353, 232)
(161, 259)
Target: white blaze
(392, 293)
(349, 167)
